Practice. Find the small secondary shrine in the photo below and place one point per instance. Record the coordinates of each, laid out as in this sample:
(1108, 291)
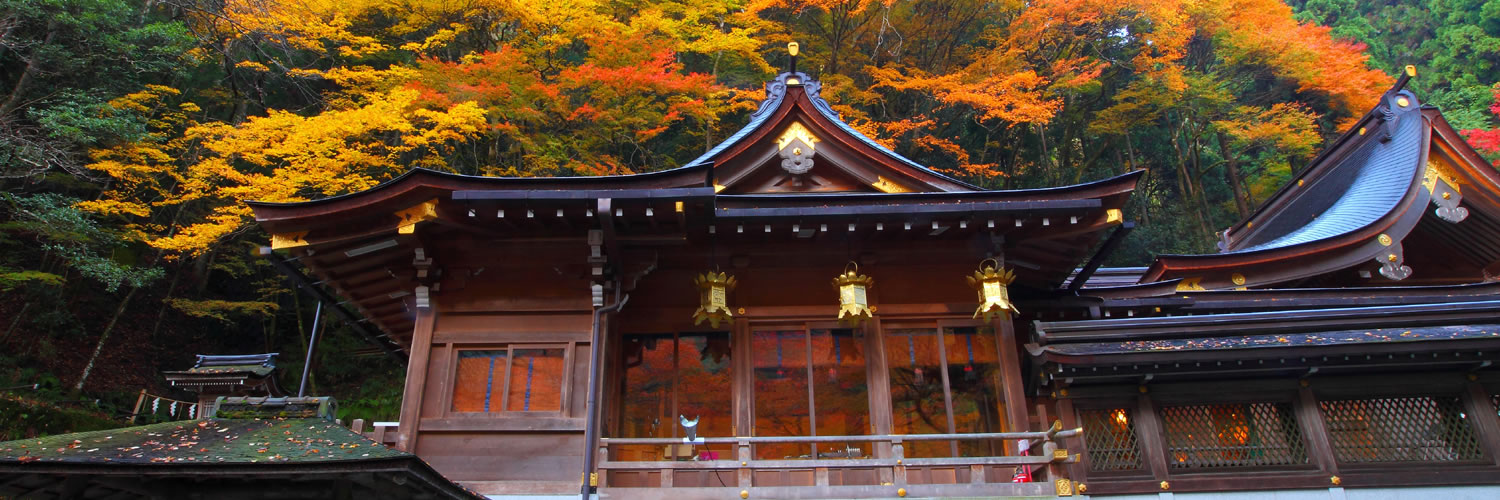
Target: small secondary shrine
(802, 312)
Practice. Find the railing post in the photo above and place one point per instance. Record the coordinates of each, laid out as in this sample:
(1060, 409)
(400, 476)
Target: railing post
(744, 472)
(379, 434)
(602, 474)
(358, 426)
(898, 451)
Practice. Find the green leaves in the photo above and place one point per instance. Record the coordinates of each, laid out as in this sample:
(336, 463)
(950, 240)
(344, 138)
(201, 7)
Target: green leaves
(78, 239)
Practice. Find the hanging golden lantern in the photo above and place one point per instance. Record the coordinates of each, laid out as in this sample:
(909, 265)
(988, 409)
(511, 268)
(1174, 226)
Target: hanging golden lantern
(713, 297)
(854, 299)
(990, 281)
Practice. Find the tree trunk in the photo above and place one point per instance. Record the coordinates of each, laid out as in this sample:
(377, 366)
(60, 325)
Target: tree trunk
(99, 347)
(32, 68)
(1232, 175)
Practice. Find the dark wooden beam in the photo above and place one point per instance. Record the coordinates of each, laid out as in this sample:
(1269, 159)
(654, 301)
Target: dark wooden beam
(328, 300)
(1115, 238)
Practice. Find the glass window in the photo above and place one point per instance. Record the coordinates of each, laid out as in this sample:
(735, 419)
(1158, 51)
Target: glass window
(917, 389)
(974, 380)
(781, 395)
(668, 377)
(476, 381)
(535, 380)
(810, 383)
(927, 370)
(841, 392)
(509, 380)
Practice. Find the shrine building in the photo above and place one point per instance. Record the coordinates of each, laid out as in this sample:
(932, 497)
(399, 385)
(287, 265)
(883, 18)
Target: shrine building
(801, 312)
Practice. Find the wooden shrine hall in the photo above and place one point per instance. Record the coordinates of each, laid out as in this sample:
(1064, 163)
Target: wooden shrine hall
(803, 313)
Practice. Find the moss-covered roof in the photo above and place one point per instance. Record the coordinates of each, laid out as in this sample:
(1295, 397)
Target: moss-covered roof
(213, 441)
(257, 370)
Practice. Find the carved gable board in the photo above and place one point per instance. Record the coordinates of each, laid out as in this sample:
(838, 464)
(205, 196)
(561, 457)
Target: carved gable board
(795, 143)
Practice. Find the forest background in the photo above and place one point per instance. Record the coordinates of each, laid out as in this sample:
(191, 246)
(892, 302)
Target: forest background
(130, 130)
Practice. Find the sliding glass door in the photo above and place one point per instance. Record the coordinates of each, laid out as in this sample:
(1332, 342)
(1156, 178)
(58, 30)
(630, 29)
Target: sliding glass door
(810, 382)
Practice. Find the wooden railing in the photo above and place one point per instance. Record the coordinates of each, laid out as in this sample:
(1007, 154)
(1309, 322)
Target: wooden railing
(891, 466)
(380, 432)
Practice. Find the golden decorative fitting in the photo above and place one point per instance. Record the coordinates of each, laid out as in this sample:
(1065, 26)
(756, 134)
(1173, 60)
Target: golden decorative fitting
(898, 461)
(792, 48)
(1249, 225)
(854, 298)
(796, 146)
(901, 492)
(1335, 480)
(740, 311)
(744, 493)
(1385, 239)
(1058, 455)
(990, 282)
(1437, 169)
(1392, 257)
(594, 479)
(886, 186)
(1114, 215)
(1064, 487)
(1473, 377)
(1063, 392)
(1166, 486)
(1304, 383)
(1447, 196)
(1411, 71)
(288, 240)
(713, 297)
(1083, 488)
(1142, 389)
(718, 187)
(410, 216)
(1403, 101)
(1361, 131)
(742, 463)
(678, 207)
(1299, 182)
(1237, 278)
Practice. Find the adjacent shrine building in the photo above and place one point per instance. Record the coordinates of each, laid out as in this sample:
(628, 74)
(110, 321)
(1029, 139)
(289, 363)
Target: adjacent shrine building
(802, 312)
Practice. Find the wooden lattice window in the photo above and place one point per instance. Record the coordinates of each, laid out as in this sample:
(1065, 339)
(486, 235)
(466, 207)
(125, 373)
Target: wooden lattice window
(1109, 434)
(1232, 435)
(1401, 429)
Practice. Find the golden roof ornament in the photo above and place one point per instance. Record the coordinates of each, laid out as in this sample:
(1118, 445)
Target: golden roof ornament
(990, 282)
(854, 299)
(713, 298)
(792, 48)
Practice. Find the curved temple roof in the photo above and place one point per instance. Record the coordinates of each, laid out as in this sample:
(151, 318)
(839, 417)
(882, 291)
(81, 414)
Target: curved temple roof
(1376, 177)
(1352, 206)
(776, 92)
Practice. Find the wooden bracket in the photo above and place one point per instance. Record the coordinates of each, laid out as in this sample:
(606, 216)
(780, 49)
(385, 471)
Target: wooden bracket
(414, 214)
(289, 240)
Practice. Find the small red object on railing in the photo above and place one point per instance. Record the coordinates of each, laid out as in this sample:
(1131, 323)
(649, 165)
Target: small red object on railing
(1023, 473)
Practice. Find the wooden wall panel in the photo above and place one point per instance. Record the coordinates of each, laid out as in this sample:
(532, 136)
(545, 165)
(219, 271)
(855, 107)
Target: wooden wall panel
(469, 456)
(439, 381)
(455, 324)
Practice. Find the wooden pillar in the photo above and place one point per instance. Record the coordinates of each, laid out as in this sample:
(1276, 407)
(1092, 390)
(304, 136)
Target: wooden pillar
(416, 377)
(878, 376)
(1076, 444)
(1486, 422)
(1149, 433)
(1011, 386)
(1315, 432)
(743, 383)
